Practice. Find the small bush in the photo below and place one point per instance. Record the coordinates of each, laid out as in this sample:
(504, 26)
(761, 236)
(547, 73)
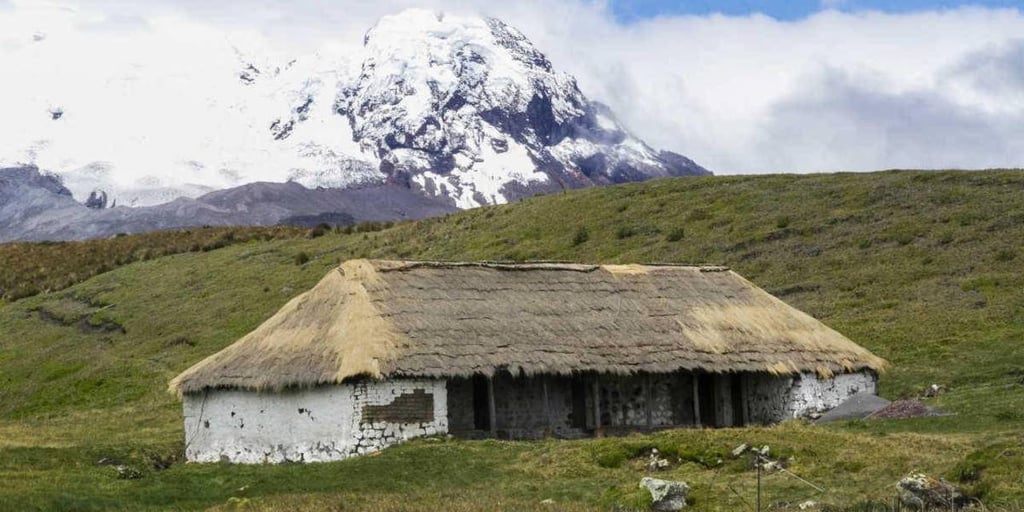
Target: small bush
(319, 231)
(625, 232)
(968, 471)
(675, 235)
(581, 236)
(1005, 255)
(782, 222)
(904, 238)
(301, 258)
(611, 456)
(698, 214)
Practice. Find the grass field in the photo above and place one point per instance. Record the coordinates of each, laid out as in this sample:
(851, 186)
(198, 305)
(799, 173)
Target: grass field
(923, 268)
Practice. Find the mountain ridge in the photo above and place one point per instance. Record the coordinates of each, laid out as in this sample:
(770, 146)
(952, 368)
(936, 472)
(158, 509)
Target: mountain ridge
(462, 109)
(36, 207)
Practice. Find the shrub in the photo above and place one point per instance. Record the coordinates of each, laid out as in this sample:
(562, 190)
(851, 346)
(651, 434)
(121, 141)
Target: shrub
(698, 214)
(581, 236)
(624, 232)
(675, 235)
(968, 471)
(320, 230)
(611, 456)
(301, 258)
(1006, 255)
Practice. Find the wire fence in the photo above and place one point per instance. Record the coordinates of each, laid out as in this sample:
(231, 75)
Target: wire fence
(893, 504)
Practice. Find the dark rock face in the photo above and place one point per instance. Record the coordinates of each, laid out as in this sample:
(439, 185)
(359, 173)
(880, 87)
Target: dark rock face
(97, 200)
(29, 176)
(34, 207)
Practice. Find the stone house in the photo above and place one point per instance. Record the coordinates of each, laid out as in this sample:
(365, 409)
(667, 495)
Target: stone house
(383, 351)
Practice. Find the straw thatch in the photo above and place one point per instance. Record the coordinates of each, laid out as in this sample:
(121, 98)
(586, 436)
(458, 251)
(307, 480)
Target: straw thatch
(386, 318)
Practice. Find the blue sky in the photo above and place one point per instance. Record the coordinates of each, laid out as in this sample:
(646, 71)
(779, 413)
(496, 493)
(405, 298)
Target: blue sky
(628, 10)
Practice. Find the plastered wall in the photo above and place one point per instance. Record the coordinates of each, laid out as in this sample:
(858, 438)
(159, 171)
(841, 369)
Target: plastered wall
(772, 399)
(311, 425)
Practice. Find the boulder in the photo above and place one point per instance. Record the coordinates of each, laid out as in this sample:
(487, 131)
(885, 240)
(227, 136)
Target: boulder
(923, 492)
(666, 495)
(739, 450)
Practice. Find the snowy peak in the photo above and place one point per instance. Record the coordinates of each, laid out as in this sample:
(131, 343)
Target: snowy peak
(461, 109)
(469, 109)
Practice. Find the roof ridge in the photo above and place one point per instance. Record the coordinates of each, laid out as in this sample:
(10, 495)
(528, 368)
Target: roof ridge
(383, 265)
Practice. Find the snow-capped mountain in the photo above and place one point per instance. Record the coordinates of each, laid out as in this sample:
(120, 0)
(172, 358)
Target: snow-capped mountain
(461, 109)
(469, 109)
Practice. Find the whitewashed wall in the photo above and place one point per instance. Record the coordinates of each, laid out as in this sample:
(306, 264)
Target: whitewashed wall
(309, 425)
(772, 399)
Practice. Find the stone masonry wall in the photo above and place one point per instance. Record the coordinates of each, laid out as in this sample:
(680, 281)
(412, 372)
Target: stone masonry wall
(771, 399)
(311, 425)
(624, 400)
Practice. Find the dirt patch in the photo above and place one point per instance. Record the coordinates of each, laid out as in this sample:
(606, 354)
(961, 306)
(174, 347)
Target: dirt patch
(906, 409)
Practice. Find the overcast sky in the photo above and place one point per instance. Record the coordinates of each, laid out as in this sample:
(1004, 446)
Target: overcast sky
(739, 86)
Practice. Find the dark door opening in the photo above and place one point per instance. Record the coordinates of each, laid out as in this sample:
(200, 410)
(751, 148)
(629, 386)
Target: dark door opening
(739, 412)
(481, 408)
(579, 403)
(706, 393)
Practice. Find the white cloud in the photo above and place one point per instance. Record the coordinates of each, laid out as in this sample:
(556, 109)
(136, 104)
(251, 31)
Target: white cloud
(835, 91)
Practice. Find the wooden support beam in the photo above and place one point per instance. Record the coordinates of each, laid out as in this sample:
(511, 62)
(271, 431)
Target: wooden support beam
(547, 404)
(491, 409)
(597, 406)
(622, 402)
(696, 400)
(647, 400)
(743, 402)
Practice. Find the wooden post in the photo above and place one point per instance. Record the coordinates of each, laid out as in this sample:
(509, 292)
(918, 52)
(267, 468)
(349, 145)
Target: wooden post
(622, 402)
(492, 412)
(597, 408)
(696, 400)
(647, 400)
(744, 413)
(757, 460)
(547, 406)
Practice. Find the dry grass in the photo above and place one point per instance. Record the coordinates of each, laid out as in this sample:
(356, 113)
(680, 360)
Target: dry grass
(384, 318)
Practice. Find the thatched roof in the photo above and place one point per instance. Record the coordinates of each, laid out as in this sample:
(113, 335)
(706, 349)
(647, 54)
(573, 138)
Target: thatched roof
(388, 318)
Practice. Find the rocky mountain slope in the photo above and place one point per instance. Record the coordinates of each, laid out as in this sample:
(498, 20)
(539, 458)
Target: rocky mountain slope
(36, 206)
(462, 109)
(468, 109)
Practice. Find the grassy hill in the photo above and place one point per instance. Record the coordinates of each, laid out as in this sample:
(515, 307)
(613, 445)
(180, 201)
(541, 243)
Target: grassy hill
(923, 268)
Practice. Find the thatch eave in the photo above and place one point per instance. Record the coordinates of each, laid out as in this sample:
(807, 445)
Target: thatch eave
(383, 319)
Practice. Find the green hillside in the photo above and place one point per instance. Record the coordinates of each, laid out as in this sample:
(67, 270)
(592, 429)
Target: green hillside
(923, 268)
